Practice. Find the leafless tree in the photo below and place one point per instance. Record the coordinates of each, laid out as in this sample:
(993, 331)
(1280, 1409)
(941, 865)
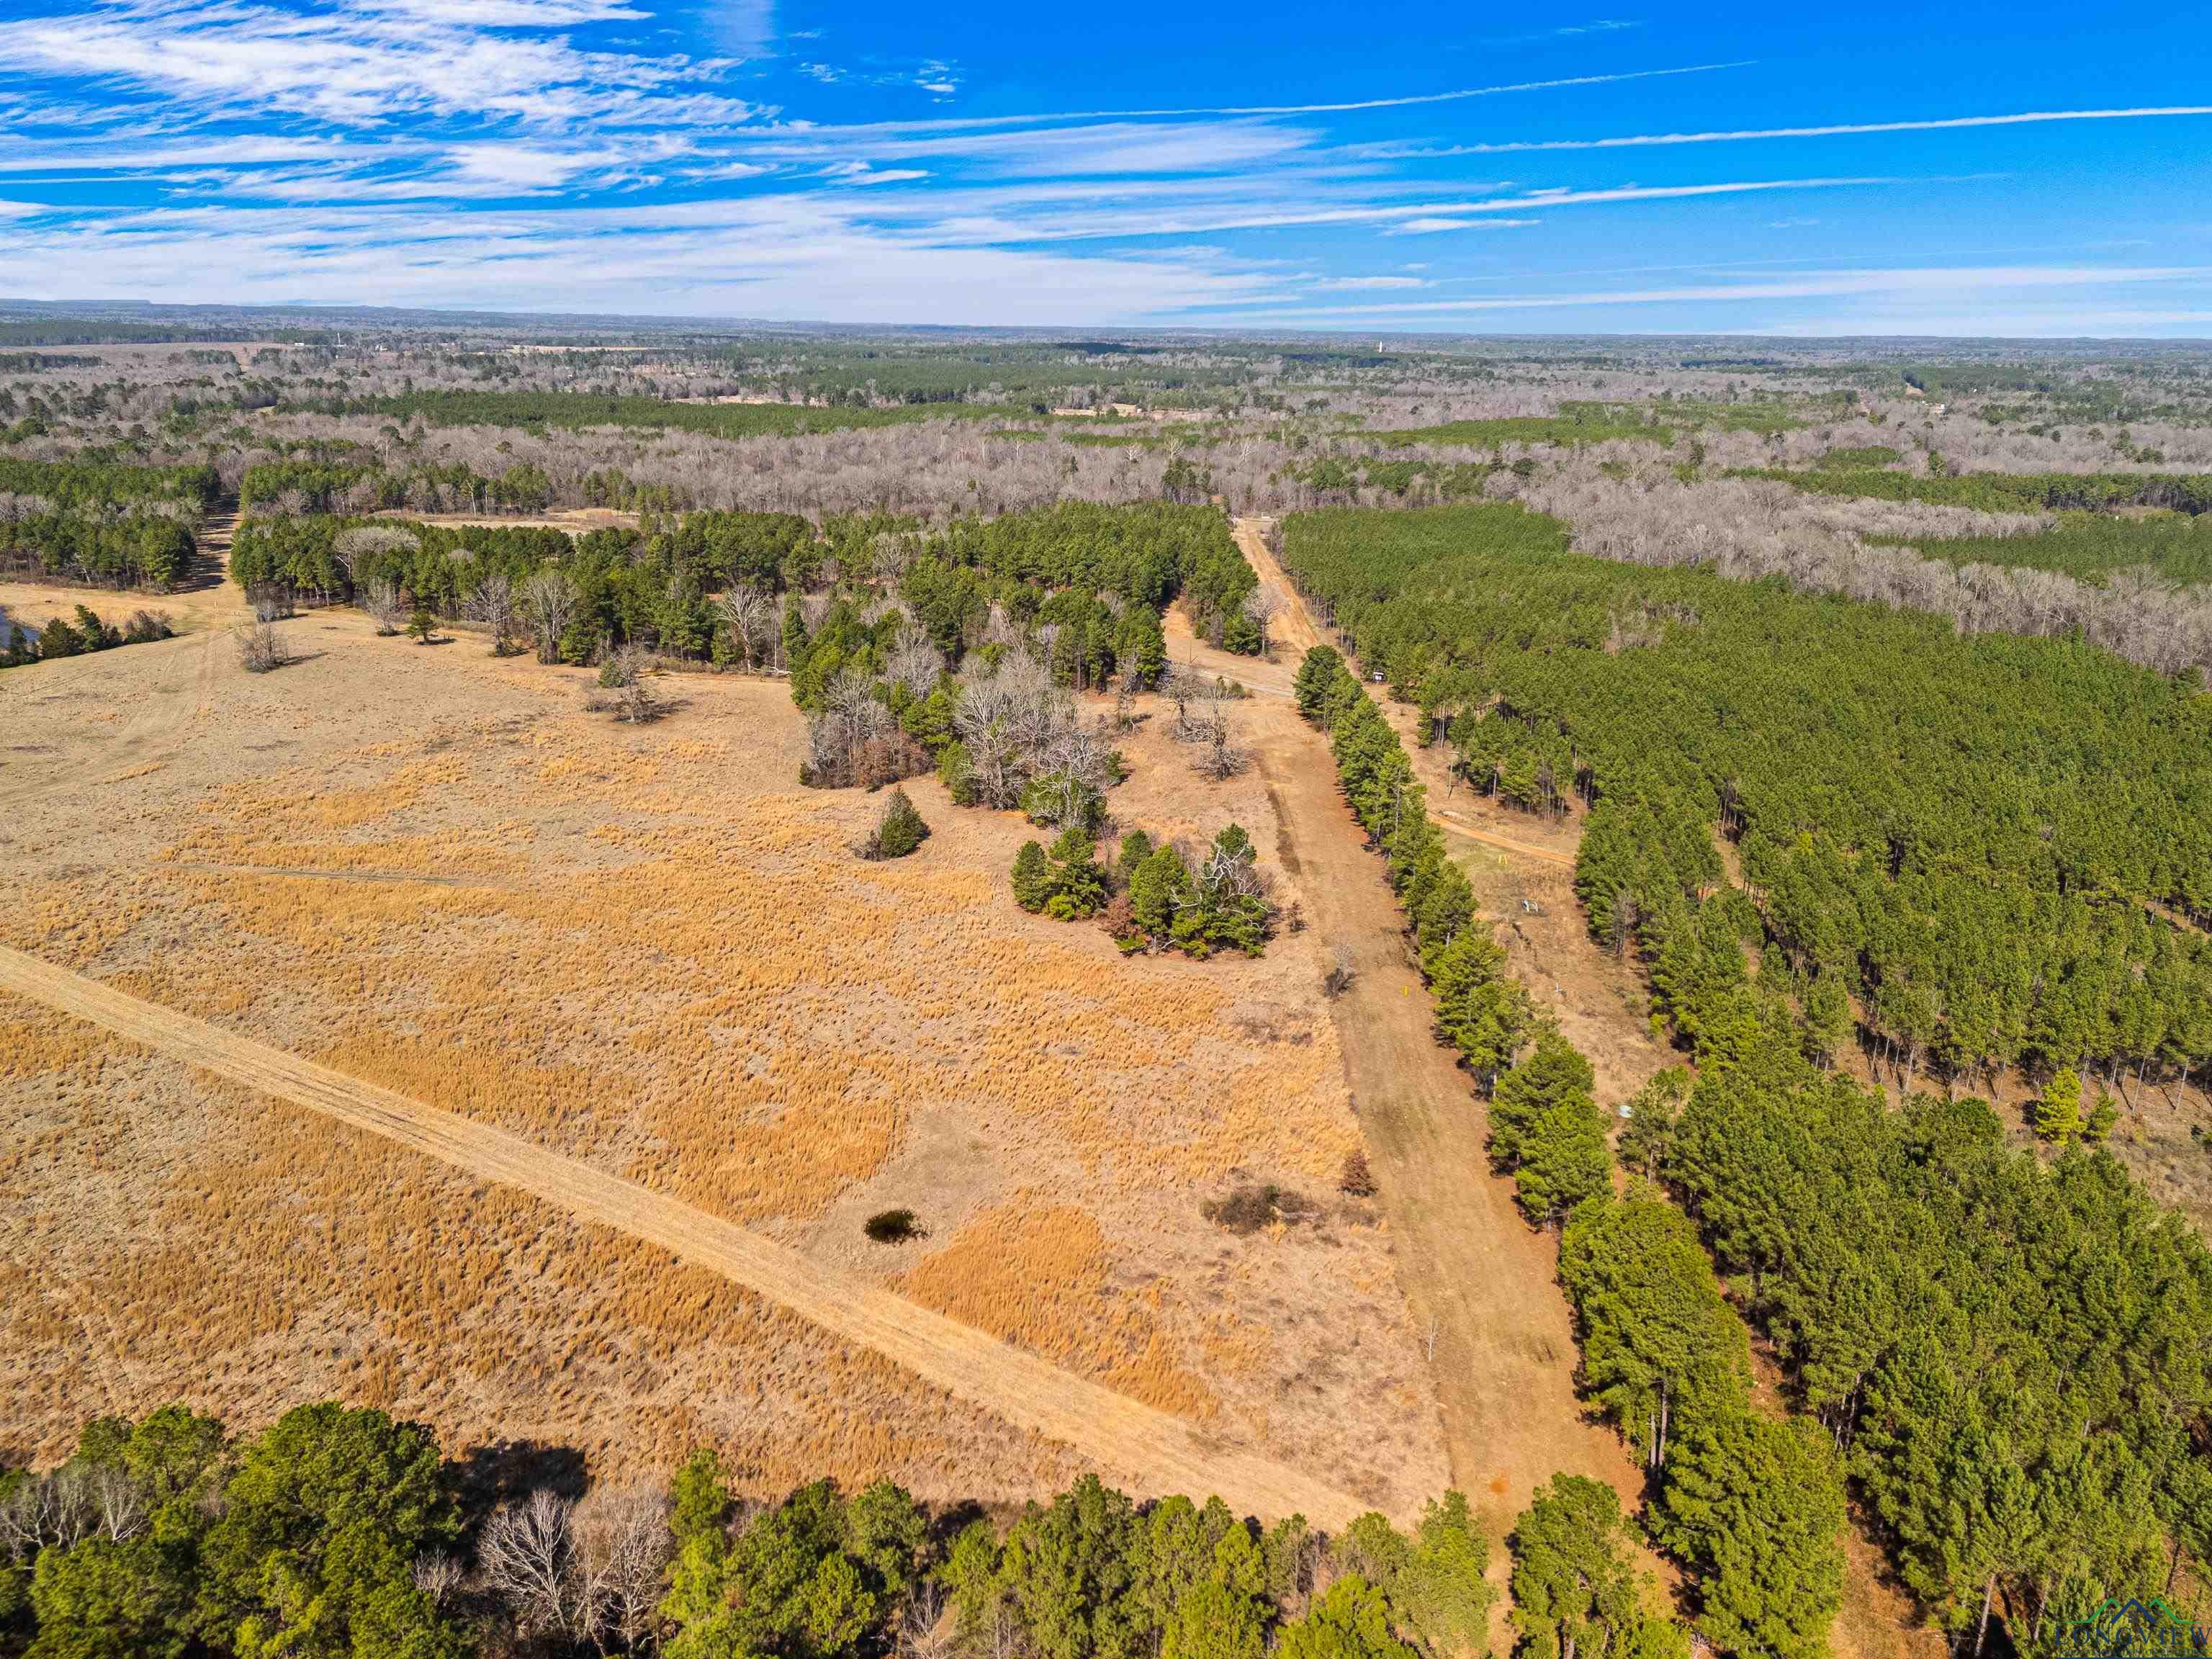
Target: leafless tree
(926, 1630)
(271, 602)
(527, 1557)
(1224, 757)
(438, 1575)
(1263, 605)
(748, 617)
(840, 732)
(381, 597)
(494, 605)
(916, 663)
(623, 1547)
(1341, 972)
(549, 603)
(58, 1512)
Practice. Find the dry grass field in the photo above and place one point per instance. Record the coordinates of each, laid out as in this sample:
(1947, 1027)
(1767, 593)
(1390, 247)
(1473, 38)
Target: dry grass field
(647, 949)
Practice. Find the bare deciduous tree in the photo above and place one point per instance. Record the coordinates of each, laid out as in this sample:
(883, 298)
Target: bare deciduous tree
(494, 605)
(926, 1630)
(623, 1548)
(527, 1557)
(379, 598)
(259, 650)
(1263, 605)
(548, 603)
(748, 617)
(438, 1575)
(915, 662)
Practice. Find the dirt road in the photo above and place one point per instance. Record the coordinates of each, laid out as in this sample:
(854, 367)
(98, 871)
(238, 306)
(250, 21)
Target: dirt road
(1291, 631)
(1482, 1285)
(1134, 1445)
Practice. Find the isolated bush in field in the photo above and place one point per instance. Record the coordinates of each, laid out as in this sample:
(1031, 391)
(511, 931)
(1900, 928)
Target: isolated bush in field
(898, 832)
(259, 650)
(1136, 848)
(1159, 887)
(379, 598)
(1079, 885)
(1357, 1180)
(422, 625)
(892, 1226)
(1256, 1204)
(623, 689)
(1338, 980)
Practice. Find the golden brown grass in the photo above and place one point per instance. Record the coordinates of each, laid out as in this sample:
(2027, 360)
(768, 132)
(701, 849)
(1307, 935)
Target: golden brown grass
(1040, 1275)
(646, 949)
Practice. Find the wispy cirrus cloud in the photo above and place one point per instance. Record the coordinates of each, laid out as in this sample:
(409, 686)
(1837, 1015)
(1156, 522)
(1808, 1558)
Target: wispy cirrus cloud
(1838, 130)
(1949, 283)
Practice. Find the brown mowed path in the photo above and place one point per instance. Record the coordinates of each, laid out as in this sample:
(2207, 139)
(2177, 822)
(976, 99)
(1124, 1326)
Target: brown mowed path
(1473, 1270)
(1133, 1445)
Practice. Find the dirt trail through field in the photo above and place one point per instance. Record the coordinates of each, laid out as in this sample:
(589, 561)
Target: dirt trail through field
(1481, 1284)
(1292, 629)
(1134, 1445)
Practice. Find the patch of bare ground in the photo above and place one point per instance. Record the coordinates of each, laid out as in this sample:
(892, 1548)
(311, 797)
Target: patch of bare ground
(647, 951)
(576, 520)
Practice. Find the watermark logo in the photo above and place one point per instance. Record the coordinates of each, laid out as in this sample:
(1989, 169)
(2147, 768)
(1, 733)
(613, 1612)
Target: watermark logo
(2129, 1629)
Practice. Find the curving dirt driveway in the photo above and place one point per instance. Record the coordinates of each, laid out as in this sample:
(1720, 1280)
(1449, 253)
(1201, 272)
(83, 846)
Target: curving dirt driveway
(1134, 1445)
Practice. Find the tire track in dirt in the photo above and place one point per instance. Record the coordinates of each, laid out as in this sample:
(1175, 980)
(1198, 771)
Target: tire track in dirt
(1132, 1444)
(1446, 820)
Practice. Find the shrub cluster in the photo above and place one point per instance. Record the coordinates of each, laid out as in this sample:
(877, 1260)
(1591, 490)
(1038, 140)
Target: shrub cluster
(1153, 897)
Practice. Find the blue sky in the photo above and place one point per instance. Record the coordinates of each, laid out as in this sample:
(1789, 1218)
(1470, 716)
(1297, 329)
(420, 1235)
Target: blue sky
(1612, 167)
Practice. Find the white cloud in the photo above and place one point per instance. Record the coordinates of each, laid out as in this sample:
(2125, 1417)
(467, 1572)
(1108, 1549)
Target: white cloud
(1949, 124)
(785, 257)
(363, 66)
(1430, 224)
(1351, 284)
(1951, 283)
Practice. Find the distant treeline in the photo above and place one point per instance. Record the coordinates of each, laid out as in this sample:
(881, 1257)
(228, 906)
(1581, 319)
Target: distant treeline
(2175, 548)
(654, 585)
(578, 409)
(2007, 492)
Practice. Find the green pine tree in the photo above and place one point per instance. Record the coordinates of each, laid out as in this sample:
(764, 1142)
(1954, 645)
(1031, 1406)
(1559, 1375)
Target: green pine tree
(2058, 1110)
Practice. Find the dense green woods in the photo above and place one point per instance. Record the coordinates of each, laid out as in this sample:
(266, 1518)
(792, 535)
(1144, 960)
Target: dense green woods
(2176, 549)
(113, 524)
(2012, 1355)
(2009, 1358)
(1753, 1507)
(1961, 834)
(1085, 572)
(81, 485)
(339, 1533)
(2007, 492)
